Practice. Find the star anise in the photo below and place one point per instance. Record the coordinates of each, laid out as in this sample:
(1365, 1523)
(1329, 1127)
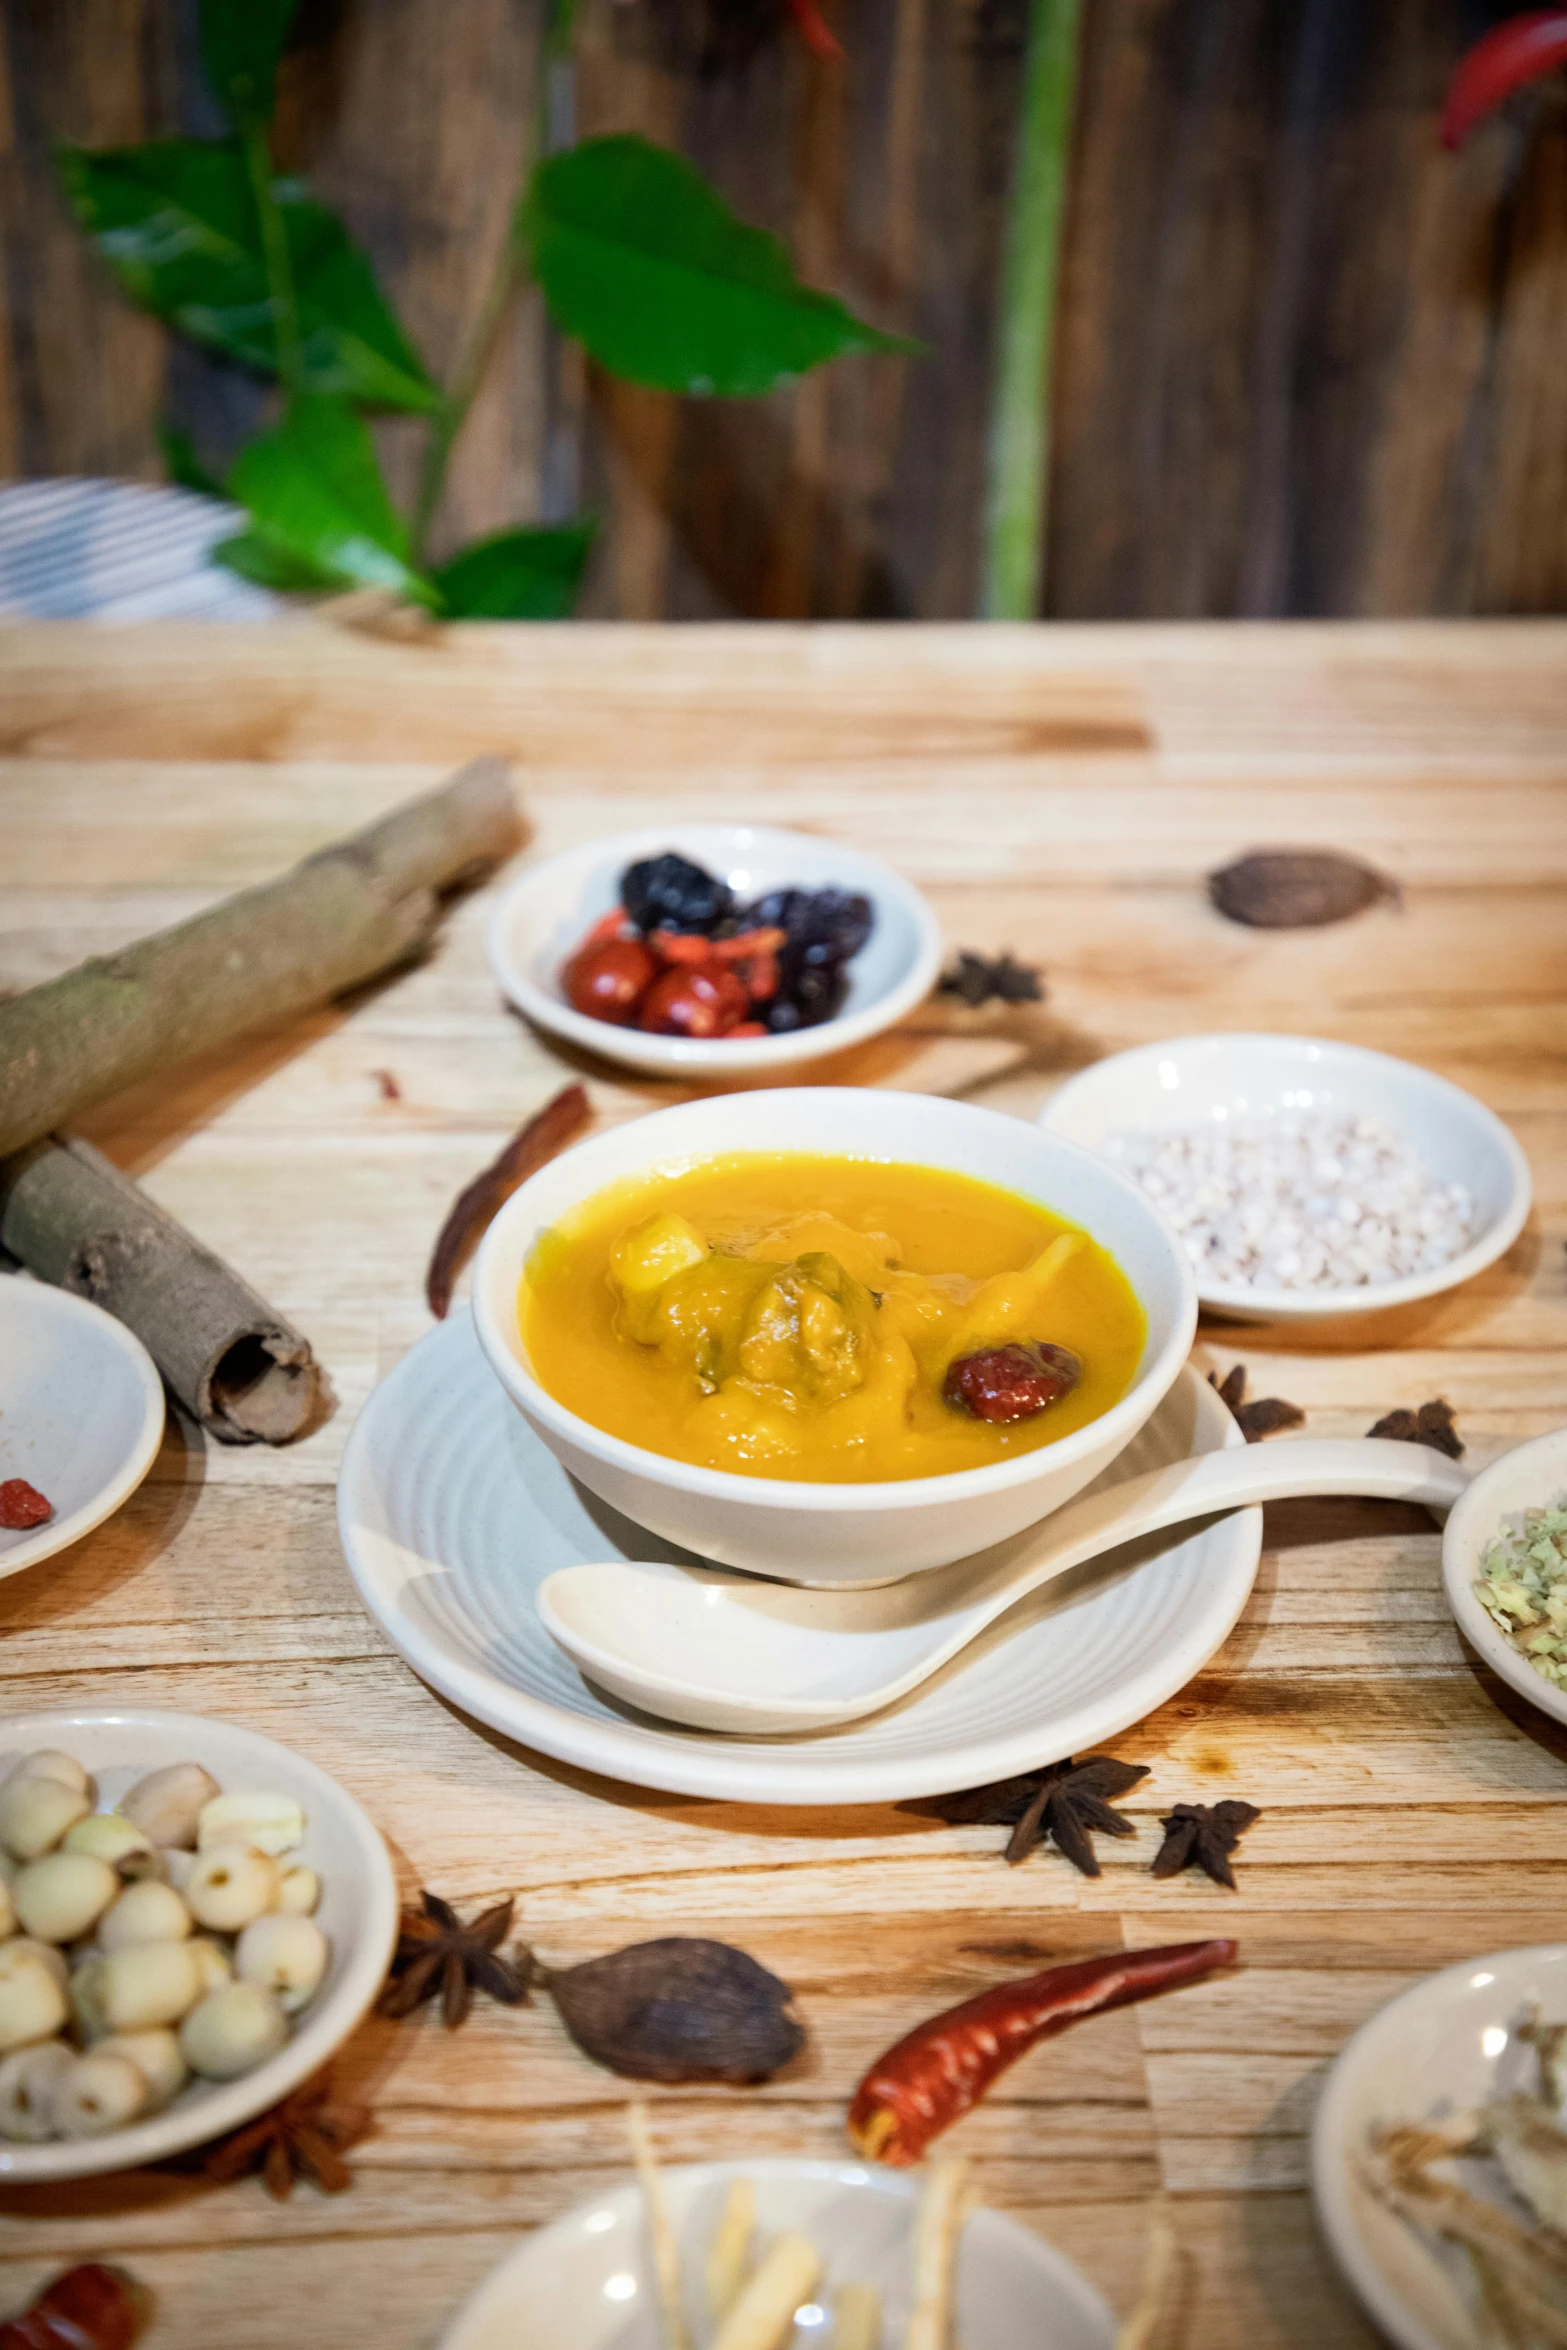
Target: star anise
(436, 1952)
(983, 979)
(1067, 1801)
(304, 2137)
(1431, 1424)
(1206, 1834)
(1256, 1420)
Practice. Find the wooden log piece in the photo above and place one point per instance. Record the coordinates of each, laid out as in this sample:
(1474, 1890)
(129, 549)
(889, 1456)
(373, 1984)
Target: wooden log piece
(75, 1220)
(349, 911)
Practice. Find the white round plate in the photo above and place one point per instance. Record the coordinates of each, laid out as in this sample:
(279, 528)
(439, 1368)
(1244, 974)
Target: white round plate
(1531, 1476)
(357, 1913)
(81, 1413)
(585, 2282)
(1190, 1080)
(1446, 2045)
(452, 1513)
(543, 917)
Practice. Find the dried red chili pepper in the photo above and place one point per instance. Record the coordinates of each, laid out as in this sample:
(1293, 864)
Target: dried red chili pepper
(22, 1505)
(87, 2308)
(935, 2073)
(558, 1123)
(1514, 53)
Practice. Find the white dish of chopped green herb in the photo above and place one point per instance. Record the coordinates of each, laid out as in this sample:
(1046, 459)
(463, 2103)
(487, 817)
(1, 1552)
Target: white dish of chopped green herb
(1504, 1564)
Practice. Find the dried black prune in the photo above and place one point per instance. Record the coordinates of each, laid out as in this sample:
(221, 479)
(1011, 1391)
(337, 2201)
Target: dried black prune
(679, 2009)
(826, 925)
(671, 893)
(807, 993)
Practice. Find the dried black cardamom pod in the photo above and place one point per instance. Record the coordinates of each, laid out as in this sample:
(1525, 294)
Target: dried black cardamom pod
(679, 2009)
(1297, 889)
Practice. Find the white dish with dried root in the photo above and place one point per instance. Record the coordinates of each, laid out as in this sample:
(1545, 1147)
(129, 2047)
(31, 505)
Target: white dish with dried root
(778, 2255)
(1439, 2157)
(192, 1919)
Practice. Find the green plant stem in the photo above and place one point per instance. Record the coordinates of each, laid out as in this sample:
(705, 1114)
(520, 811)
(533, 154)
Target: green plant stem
(511, 270)
(1020, 415)
(280, 268)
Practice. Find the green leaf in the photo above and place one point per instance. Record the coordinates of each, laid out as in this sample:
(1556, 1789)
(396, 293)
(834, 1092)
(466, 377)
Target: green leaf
(517, 575)
(176, 221)
(256, 557)
(315, 494)
(182, 464)
(241, 42)
(646, 264)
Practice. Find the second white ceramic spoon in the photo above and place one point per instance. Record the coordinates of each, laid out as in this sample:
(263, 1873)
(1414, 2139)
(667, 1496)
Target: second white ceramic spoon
(731, 1652)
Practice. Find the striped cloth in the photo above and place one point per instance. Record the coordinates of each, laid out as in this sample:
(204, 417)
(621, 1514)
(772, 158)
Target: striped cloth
(118, 550)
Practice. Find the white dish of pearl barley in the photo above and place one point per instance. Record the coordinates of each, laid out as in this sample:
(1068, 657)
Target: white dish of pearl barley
(293, 1911)
(1306, 1180)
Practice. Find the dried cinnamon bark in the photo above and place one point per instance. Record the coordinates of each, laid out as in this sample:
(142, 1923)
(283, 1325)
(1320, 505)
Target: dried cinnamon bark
(558, 1123)
(355, 908)
(235, 1364)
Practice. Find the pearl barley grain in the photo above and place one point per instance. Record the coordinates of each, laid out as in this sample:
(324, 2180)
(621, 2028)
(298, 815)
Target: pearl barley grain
(1303, 1201)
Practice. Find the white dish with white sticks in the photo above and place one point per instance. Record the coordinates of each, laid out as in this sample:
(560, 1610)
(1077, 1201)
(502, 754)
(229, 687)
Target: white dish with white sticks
(586, 2281)
(1203, 1083)
(1443, 2049)
(357, 1913)
(453, 1512)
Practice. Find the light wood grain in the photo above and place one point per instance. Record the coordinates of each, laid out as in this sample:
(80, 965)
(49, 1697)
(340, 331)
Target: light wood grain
(1062, 793)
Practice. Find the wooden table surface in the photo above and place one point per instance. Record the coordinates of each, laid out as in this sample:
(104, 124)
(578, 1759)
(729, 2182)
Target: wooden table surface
(1062, 793)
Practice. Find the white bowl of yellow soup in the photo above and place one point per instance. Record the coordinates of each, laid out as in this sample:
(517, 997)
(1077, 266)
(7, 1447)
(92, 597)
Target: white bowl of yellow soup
(946, 1228)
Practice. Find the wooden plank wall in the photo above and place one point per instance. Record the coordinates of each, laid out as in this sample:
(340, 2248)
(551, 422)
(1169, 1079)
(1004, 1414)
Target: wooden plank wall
(1310, 364)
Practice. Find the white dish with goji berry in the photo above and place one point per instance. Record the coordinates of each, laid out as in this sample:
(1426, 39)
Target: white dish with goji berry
(81, 1419)
(737, 949)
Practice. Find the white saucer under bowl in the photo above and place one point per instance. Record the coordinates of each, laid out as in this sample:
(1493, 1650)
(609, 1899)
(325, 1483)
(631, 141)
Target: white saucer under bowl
(585, 2282)
(81, 1413)
(545, 914)
(1446, 2045)
(452, 1513)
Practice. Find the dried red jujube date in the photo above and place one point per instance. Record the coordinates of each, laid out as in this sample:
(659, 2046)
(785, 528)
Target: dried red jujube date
(707, 1001)
(1011, 1382)
(608, 981)
(87, 2308)
(22, 1506)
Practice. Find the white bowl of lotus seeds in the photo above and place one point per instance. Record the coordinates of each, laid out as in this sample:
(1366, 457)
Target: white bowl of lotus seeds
(192, 1919)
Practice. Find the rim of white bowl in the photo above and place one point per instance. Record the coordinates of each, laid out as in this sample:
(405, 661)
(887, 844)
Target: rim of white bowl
(1330, 2152)
(715, 1056)
(229, 2104)
(59, 1534)
(1124, 1417)
(1259, 1304)
(494, 2291)
(1472, 1518)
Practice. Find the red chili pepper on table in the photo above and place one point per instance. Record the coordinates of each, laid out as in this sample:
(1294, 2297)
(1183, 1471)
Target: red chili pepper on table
(1507, 58)
(938, 2071)
(88, 2308)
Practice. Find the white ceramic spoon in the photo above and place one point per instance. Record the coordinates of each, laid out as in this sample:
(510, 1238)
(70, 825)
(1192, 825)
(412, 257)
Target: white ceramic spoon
(732, 1652)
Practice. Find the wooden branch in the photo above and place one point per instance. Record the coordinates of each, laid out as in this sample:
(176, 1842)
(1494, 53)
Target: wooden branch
(356, 908)
(241, 1369)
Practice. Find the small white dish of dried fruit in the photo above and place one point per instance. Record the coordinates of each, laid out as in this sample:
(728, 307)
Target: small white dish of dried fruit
(1306, 1180)
(64, 1470)
(192, 1919)
(714, 950)
(1504, 1566)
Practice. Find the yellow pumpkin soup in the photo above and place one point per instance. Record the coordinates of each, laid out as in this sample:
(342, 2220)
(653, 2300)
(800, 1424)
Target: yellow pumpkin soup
(787, 1315)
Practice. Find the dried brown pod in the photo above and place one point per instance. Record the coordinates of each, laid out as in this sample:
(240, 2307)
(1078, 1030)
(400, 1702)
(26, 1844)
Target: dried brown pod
(438, 1954)
(679, 2009)
(985, 979)
(1297, 889)
(1206, 1834)
(1068, 1802)
(305, 2137)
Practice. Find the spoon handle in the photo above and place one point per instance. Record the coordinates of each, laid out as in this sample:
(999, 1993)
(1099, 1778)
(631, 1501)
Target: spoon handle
(1371, 1465)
